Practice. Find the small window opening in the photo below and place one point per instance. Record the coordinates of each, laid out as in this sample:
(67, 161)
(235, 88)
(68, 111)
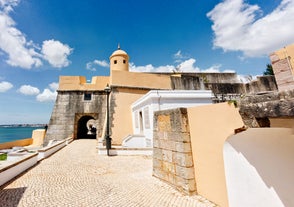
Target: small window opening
(124, 61)
(115, 61)
(87, 97)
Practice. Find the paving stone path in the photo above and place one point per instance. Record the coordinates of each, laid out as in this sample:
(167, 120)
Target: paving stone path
(78, 176)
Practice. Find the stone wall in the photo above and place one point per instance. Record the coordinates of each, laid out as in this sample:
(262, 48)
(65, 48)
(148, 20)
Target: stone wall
(283, 72)
(172, 155)
(256, 109)
(69, 107)
(222, 83)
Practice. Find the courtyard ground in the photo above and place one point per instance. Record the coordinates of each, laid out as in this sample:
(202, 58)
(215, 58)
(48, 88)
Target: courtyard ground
(77, 176)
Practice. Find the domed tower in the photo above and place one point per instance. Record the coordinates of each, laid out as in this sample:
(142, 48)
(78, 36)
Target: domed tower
(119, 60)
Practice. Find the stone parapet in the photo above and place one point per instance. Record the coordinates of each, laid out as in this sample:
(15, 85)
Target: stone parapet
(172, 153)
(254, 109)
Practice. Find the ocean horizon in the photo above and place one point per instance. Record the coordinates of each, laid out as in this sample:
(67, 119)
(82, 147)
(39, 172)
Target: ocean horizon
(12, 133)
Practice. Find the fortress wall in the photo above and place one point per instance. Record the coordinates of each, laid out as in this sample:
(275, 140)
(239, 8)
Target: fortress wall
(263, 83)
(140, 80)
(222, 83)
(263, 107)
(70, 83)
(67, 105)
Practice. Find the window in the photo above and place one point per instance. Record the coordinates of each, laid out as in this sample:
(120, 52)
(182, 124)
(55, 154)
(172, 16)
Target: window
(87, 97)
(124, 61)
(115, 61)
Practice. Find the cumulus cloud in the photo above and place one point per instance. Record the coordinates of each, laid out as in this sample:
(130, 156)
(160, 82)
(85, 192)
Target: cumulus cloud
(28, 90)
(48, 94)
(7, 5)
(151, 68)
(53, 86)
(5, 86)
(92, 65)
(13, 41)
(23, 53)
(186, 66)
(239, 26)
(56, 53)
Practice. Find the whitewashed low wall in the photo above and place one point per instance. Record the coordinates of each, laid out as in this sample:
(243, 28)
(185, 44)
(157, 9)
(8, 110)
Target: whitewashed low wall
(10, 169)
(49, 150)
(135, 141)
(259, 168)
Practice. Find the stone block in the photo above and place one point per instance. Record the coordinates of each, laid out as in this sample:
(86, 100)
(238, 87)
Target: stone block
(157, 153)
(157, 163)
(168, 145)
(179, 120)
(171, 179)
(184, 172)
(156, 143)
(161, 144)
(168, 167)
(167, 155)
(163, 122)
(183, 147)
(180, 136)
(157, 172)
(186, 186)
(179, 181)
(189, 186)
(155, 135)
(183, 159)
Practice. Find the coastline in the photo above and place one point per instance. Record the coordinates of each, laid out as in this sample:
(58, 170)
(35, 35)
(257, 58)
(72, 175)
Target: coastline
(14, 132)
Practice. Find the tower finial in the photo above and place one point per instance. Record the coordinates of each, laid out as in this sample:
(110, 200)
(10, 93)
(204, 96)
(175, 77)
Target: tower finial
(118, 46)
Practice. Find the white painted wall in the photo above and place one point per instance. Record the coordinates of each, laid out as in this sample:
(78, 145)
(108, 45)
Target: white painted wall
(157, 100)
(259, 168)
(24, 163)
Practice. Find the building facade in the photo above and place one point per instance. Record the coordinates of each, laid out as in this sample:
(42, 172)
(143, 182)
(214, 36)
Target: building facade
(80, 107)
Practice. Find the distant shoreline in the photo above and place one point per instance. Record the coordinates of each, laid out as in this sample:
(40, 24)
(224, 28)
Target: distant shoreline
(21, 125)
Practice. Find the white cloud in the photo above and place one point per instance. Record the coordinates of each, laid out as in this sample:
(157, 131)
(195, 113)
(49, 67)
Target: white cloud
(151, 68)
(237, 27)
(213, 69)
(56, 53)
(23, 53)
(91, 65)
(14, 44)
(47, 96)
(7, 5)
(29, 90)
(5, 86)
(53, 86)
(179, 56)
(187, 66)
(229, 71)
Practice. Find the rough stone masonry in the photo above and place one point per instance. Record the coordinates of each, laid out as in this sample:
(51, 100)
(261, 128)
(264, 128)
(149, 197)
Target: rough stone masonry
(172, 155)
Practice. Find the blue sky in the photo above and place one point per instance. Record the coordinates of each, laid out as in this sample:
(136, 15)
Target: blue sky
(42, 40)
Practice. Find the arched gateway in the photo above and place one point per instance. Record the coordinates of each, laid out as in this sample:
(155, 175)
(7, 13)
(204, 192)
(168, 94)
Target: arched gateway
(86, 126)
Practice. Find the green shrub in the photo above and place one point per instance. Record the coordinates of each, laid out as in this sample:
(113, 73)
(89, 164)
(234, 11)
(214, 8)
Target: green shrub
(3, 156)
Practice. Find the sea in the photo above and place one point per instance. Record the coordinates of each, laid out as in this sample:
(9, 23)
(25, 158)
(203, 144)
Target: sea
(12, 133)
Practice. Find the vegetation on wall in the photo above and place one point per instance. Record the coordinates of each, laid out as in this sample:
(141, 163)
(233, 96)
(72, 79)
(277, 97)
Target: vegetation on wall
(269, 70)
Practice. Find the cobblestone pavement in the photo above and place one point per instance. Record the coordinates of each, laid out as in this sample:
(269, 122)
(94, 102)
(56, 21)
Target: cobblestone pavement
(78, 176)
